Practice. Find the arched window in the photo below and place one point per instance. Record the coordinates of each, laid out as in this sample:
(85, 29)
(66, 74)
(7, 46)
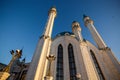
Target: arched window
(97, 66)
(72, 67)
(59, 69)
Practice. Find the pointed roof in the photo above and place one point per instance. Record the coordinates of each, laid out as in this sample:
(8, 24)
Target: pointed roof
(84, 16)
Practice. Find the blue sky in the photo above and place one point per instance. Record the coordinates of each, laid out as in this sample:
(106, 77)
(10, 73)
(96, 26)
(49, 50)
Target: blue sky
(22, 22)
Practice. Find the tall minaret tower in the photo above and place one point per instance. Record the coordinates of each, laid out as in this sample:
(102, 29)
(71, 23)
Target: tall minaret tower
(99, 41)
(84, 52)
(38, 63)
(77, 30)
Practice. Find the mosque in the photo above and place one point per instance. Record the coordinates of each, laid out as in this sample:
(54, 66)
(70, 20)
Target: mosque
(68, 56)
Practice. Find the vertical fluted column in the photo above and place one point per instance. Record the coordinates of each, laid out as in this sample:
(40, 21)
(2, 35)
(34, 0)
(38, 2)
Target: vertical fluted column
(38, 64)
(99, 41)
(77, 30)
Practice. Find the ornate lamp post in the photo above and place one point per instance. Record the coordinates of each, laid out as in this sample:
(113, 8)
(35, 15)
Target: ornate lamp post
(14, 57)
(50, 58)
(8, 69)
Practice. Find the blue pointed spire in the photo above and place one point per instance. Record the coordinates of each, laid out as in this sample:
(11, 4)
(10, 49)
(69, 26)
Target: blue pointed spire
(84, 16)
(74, 21)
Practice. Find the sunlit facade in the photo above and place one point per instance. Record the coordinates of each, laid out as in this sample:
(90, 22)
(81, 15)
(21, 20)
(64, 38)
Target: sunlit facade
(76, 58)
(71, 57)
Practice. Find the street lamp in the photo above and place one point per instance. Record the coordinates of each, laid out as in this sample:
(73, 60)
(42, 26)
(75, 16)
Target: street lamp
(50, 58)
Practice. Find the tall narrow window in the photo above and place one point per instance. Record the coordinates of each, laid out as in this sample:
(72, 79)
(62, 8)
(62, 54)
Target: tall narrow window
(72, 67)
(97, 66)
(59, 69)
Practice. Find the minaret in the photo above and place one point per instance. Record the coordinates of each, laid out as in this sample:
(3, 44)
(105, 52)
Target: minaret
(77, 30)
(52, 14)
(84, 52)
(38, 63)
(99, 41)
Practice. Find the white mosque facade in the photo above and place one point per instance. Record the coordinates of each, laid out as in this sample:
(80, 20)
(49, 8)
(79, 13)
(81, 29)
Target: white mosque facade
(69, 56)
